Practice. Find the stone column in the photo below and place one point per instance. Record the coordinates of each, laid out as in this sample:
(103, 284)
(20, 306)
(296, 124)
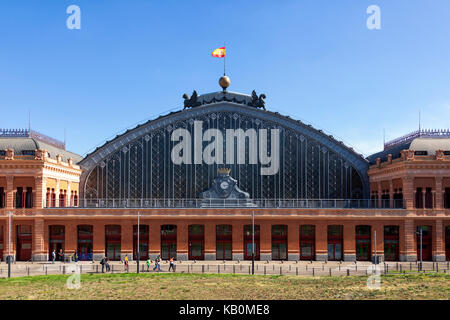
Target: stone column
(438, 241)
(238, 240)
(380, 194)
(67, 199)
(155, 240)
(210, 241)
(126, 245)
(321, 241)
(38, 202)
(9, 192)
(265, 241)
(57, 193)
(293, 241)
(439, 194)
(6, 238)
(408, 192)
(391, 194)
(38, 252)
(409, 250)
(349, 241)
(182, 241)
(99, 249)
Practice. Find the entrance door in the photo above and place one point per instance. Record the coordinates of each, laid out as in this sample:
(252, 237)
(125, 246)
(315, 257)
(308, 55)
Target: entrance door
(447, 243)
(113, 241)
(168, 241)
(335, 242)
(248, 242)
(363, 248)
(224, 242)
(426, 243)
(391, 243)
(196, 242)
(279, 242)
(24, 241)
(56, 236)
(307, 242)
(143, 242)
(85, 242)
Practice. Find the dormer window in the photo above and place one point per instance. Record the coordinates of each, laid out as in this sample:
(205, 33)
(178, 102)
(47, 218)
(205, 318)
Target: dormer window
(28, 152)
(420, 153)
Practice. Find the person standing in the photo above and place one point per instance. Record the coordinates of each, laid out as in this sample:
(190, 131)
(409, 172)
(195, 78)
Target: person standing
(61, 255)
(103, 263)
(53, 256)
(148, 264)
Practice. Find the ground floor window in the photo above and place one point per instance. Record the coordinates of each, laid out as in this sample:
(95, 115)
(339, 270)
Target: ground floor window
(307, 242)
(391, 243)
(248, 242)
(335, 242)
(168, 241)
(113, 240)
(143, 241)
(279, 242)
(224, 242)
(196, 242)
(23, 242)
(56, 241)
(1, 243)
(426, 243)
(447, 243)
(363, 243)
(85, 239)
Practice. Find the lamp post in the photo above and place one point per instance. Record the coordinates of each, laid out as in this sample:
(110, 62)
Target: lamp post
(420, 233)
(375, 241)
(253, 242)
(9, 244)
(137, 253)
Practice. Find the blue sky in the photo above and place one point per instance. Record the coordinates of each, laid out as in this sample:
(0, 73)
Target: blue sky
(315, 61)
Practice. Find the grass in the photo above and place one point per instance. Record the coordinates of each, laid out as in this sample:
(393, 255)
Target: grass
(225, 286)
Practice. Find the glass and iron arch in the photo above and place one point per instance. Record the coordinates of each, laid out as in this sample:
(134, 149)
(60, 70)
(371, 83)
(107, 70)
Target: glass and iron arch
(136, 167)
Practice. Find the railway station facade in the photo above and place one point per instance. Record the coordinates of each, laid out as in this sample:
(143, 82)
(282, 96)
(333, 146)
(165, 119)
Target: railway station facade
(196, 176)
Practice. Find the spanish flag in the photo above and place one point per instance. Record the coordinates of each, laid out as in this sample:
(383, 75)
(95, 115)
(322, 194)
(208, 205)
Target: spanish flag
(219, 53)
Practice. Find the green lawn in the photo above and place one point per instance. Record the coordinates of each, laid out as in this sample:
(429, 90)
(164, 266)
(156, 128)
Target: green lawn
(225, 286)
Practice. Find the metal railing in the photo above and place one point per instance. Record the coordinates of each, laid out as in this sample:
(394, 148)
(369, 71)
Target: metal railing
(240, 203)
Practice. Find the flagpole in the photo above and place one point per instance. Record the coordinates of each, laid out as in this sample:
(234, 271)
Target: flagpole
(224, 57)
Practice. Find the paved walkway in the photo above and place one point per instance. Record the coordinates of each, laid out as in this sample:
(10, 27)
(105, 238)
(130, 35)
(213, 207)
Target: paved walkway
(301, 268)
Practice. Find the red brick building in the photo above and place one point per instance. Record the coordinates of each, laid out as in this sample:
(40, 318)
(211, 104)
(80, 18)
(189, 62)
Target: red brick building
(196, 176)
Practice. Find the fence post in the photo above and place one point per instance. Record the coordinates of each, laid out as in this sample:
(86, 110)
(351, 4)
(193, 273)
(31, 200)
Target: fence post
(64, 269)
(203, 268)
(348, 272)
(234, 269)
(218, 269)
(400, 268)
(45, 270)
(281, 270)
(437, 267)
(330, 272)
(264, 270)
(323, 267)
(296, 271)
(28, 271)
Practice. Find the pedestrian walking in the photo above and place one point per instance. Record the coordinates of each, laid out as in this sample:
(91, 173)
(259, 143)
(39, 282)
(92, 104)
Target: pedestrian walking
(53, 256)
(75, 256)
(108, 267)
(125, 261)
(171, 264)
(148, 264)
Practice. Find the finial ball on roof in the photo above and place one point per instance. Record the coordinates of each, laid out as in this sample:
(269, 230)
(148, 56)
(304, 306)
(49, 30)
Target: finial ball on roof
(224, 82)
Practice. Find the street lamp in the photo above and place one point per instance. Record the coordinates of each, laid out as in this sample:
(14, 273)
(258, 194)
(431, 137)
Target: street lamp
(253, 242)
(9, 243)
(420, 233)
(137, 253)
